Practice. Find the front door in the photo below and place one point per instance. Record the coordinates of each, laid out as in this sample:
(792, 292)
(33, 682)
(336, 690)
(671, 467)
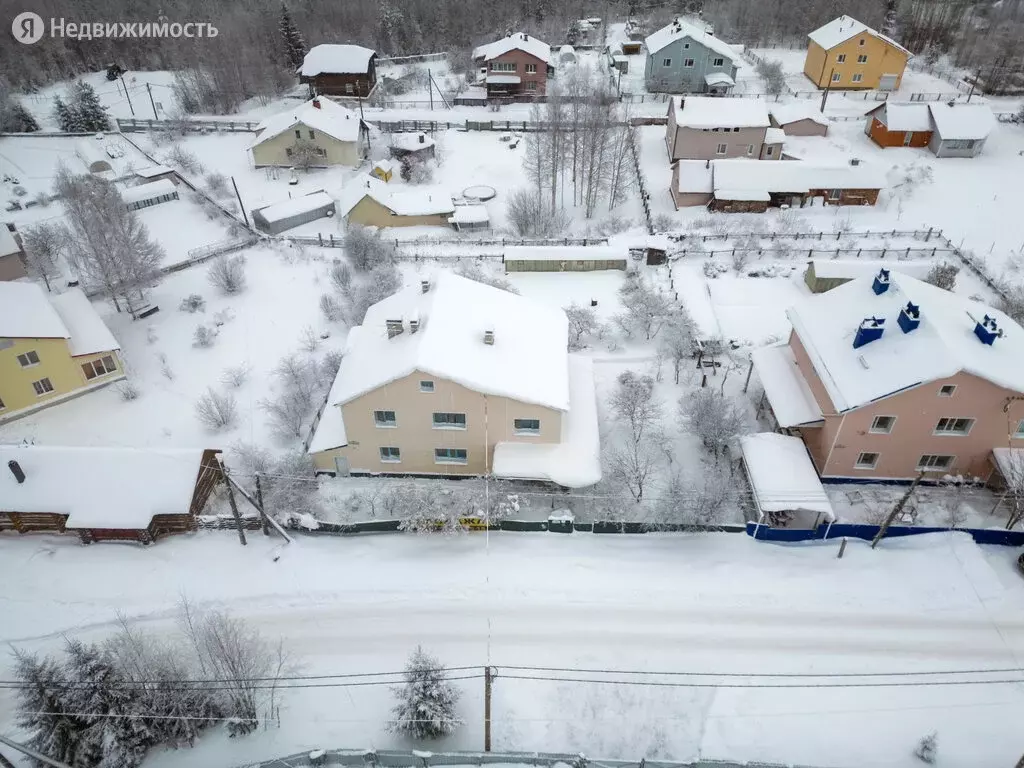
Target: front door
(341, 466)
(907, 138)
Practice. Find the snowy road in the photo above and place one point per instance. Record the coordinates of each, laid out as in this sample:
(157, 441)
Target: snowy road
(720, 603)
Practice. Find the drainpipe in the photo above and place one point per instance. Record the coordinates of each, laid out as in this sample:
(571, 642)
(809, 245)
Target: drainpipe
(828, 459)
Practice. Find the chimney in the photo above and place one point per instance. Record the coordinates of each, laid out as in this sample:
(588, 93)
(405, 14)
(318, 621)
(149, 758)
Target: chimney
(17, 471)
(881, 283)
(316, 103)
(870, 329)
(394, 328)
(987, 331)
(424, 286)
(489, 338)
(909, 317)
(525, 36)
(854, 161)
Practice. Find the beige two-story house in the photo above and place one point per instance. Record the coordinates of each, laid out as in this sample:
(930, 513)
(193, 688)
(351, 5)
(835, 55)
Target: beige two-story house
(317, 133)
(709, 128)
(888, 377)
(451, 377)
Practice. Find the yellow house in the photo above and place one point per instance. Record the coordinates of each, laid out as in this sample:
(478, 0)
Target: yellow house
(335, 135)
(52, 347)
(849, 55)
(383, 170)
(451, 377)
(371, 205)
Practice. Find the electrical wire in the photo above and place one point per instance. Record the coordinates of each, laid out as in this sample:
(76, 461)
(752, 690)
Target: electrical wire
(659, 684)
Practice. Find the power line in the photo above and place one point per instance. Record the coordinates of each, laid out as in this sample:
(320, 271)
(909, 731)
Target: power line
(659, 684)
(902, 673)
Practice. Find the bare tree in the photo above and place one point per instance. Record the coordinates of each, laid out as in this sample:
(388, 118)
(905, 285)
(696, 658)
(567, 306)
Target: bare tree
(216, 410)
(306, 154)
(583, 323)
(645, 310)
(227, 274)
(639, 413)
(366, 249)
(717, 420)
(43, 243)
(528, 216)
(677, 340)
(773, 76)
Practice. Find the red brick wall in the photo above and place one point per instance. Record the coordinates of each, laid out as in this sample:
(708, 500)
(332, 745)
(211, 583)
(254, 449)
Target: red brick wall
(521, 59)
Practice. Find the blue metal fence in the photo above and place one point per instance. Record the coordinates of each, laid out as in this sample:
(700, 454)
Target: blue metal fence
(868, 532)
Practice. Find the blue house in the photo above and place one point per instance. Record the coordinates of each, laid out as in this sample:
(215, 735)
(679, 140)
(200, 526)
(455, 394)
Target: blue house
(684, 58)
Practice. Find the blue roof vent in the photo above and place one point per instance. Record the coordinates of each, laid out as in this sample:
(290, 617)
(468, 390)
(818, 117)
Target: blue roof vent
(871, 329)
(881, 284)
(987, 330)
(910, 317)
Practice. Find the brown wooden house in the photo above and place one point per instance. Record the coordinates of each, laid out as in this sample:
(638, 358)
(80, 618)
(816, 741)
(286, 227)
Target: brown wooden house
(515, 67)
(339, 70)
(105, 494)
(900, 125)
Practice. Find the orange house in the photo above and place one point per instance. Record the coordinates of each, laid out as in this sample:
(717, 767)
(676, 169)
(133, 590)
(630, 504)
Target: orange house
(900, 125)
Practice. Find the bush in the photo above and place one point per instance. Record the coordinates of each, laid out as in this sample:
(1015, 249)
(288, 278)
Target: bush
(204, 337)
(216, 410)
(662, 222)
(217, 184)
(128, 390)
(773, 76)
(472, 270)
(365, 248)
(330, 307)
(309, 340)
(227, 274)
(943, 276)
(341, 277)
(236, 375)
(192, 303)
(530, 217)
(183, 159)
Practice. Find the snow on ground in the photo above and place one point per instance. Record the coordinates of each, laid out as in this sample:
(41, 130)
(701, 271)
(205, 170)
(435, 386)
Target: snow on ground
(182, 225)
(713, 603)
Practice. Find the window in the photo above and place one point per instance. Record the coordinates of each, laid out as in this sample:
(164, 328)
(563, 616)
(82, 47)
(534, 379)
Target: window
(311, 134)
(349, 88)
(99, 367)
(526, 426)
(862, 59)
(947, 390)
(857, 78)
(385, 419)
(450, 456)
(721, 149)
(954, 426)
(298, 134)
(736, 129)
(531, 86)
(882, 425)
(1018, 433)
(687, 62)
(835, 194)
(718, 62)
(686, 46)
(288, 151)
(42, 387)
(666, 62)
(861, 41)
(932, 461)
(841, 58)
(426, 386)
(958, 144)
(866, 460)
(449, 420)
(503, 66)
(531, 69)
(389, 454)
(28, 359)
(750, 149)
(836, 77)
(769, 152)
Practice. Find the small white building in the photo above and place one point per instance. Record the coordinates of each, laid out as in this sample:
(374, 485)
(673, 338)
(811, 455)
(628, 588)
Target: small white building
(288, 214)
(784, 485)
(148, 195)
(468, 218)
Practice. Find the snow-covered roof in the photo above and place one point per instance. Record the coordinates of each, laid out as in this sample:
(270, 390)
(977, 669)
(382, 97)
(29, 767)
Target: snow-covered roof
(782, 475)
(384, 165)
(411, 142)
(774, 136)
(695, 176)
(743, 195)
(574, 461)
(88, 333)
(851, 269)
(904, 117)
(8, 244)
(330, 430)
(681, 28)
(796, 176)
(843, 28)
(718, 78)
(121, 488)
(340, 59)
(330, 118)
(153, 170)
(425, 202)
(501, 79)
(785, 387)
(527, 362)
(298, 205)
(794, 111)
(150, 191)
(520, 41)
(26, 313)
(563, 253)
(943, 345)
(962, 121)
(712, 112)
(470, 214)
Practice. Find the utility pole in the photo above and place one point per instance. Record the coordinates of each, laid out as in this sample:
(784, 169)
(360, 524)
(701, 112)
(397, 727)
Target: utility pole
(149, 89)
(33, 754)
(234, 506)
(896, 510)
(430, 90)
(488, 680)
(259, 500)
(240, 206)
(126, 94)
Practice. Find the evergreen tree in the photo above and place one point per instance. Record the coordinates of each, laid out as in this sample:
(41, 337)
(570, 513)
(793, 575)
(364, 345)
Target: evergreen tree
(17, 119)
(65, 119)
(294, 44)
(43, 708)
(889, 23)
(92, 115)
(426, 703)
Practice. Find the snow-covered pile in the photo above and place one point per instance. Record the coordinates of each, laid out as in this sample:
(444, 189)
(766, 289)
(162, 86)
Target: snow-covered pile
(330, 58)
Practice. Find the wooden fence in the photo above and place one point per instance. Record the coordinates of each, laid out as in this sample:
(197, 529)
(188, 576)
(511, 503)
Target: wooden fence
(912, 234)
(330, 241)
(899, 254)
(641, 182)
(190, 125)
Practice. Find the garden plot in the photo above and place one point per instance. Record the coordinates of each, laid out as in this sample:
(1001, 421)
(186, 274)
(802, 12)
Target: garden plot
(943, 506)
(184, 224)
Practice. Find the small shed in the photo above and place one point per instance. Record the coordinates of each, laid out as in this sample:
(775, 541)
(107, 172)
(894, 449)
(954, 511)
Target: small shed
(406, 145)
(960, 129)
(799, 118)
(12, 266)
(469, 218)
(288, 214)
(559, 258)
(567, 55)
(653, 249)
(632, 47)
(148, 195)
(383, 170)
(784, 484)
(156, 173)
(104, 494)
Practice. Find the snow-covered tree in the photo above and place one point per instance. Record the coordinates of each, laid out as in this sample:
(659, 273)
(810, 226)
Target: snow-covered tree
(582, 324)
(677, 339)
(366, 248)
(307, 154)
(89, 113)
(66, 119)
(773, 76)
(294, 43)
(43, 245)
(14, 118)
(928, 748)
(427, 702)
(943, 276)
(227, 274)
(716, 419)
(43, 709)
(645, 310)
(634, 458)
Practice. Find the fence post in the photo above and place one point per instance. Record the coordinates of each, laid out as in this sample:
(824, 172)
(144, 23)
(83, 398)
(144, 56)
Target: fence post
(929, 235)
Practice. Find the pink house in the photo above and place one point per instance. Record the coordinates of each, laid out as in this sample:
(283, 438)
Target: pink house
(515, 66)
(887, 377)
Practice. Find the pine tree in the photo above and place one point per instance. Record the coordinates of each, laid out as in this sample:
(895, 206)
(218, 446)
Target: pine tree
(17, 119)
(889, 23)
(294, 44)
(43, 709)
(426, 703)
(92, 115)
(65, 119)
